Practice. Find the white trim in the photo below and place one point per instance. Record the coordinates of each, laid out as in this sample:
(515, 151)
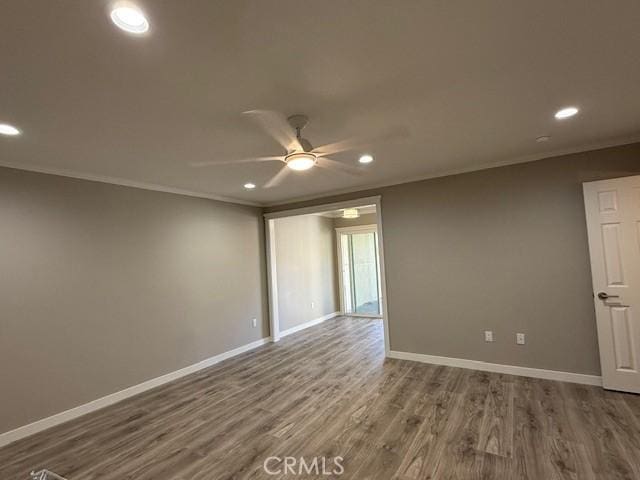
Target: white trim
(358, 202)
(457, 171)
(500, 368)
(358, 228)
(362, 188)
(373, 228)
(271, 257)
(62, 417)
(125, 183)
(310, 323)
(339, 264)
(272, 279)
(383, 279)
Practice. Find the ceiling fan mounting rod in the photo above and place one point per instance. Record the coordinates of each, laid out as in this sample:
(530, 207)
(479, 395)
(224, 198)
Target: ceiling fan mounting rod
(298, 122)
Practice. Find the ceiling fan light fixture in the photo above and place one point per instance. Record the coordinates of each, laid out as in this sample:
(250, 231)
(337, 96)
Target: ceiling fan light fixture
(300, 161)
(350, 213)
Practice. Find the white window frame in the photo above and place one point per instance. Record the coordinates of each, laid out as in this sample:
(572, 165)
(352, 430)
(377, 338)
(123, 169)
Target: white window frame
(356, 229)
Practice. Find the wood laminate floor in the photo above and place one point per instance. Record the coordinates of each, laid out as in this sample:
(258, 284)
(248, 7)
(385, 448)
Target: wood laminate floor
(328, 392)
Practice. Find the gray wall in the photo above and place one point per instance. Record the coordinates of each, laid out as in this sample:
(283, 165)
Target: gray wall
(103, 287)
(503, 249)
(305, 266)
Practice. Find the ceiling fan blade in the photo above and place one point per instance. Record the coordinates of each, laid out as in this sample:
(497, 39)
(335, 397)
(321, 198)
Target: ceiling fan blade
(238, 160)
(277, 178)
(361, 142)
(276, 125)
(329, 163)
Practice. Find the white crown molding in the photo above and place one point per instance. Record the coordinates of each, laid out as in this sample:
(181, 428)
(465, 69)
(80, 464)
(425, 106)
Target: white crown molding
(310, 323)
(356, 202)
(125, 183)
(416, 178)
(458, 171)
(62, 417)
(500, 368)
(366, 210)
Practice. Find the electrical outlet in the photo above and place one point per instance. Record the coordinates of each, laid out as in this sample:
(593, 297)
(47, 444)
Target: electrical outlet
(488, 336)
(254, 322)
(520, 338)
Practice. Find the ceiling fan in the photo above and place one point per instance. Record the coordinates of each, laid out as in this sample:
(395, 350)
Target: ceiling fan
(301, 155)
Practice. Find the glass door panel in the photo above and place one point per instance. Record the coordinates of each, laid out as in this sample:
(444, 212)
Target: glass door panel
(360, 273)
(365, 273)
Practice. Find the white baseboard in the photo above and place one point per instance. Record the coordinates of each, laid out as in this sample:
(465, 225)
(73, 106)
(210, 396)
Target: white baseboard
(308, 324)
(500, 368)
(48, 422)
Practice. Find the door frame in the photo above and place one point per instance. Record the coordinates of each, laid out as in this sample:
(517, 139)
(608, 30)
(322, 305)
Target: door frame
(274, 323)
(356, 229)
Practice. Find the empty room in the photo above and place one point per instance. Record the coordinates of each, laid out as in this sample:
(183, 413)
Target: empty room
(289, 239)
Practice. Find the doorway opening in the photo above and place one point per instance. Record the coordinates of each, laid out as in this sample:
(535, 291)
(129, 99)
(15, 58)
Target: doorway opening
(301, 284)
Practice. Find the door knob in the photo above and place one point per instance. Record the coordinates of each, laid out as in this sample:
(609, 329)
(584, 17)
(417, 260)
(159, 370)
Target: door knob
(605, 296)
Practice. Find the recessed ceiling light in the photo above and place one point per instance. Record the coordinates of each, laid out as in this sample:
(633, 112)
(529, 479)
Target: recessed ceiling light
(249, 186)
(6, 129)
(300, 161)
(566, 112)
(543, 138)
(366, 159)
(130, 19)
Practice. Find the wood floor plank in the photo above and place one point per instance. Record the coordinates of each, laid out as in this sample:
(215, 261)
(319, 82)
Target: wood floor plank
(496, 428)
(464, 429)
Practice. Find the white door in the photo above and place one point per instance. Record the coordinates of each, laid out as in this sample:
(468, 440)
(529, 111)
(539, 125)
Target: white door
(613, 225)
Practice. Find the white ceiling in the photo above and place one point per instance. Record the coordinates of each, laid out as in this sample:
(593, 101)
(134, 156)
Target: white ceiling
(474, 83)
